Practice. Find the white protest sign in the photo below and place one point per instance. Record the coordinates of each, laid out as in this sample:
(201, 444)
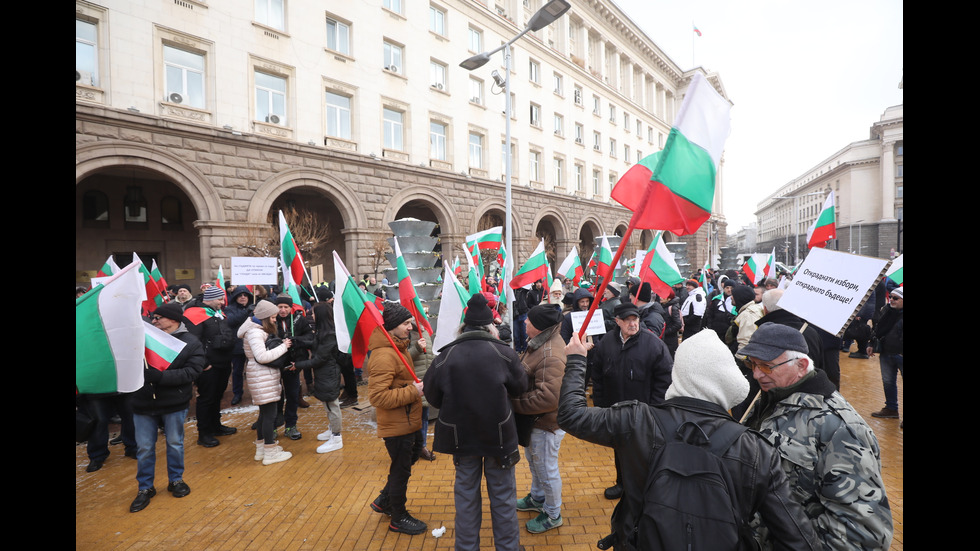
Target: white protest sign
(829, 286)
(596, 325)
(252, 270)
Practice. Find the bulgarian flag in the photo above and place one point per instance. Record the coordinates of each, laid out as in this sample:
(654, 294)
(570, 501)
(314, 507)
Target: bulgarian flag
(770, 268)
(571, 267)
(198, 314)
(293, 292)
(160, 348)
(674, 189)
(406, 292)
(703, 278)
(895, 271)
(696, 31)
(457, 267)
(604, 259)
(108, 268)
(475, 258)
(153, 298)
(659, 268)
(161, 283)
(824, 228)
(109, 335)
(220, 281)
(590, 267)
(754, 268)
(292, 260)
(354, 314)
(451, 310)
(487, 239)
(534, 269)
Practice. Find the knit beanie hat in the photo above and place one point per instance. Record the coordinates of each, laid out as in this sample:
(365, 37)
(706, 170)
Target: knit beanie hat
(704, 368)
(265, 310)
(642, 293)
(394, 315)
(477, 311)
(170, 310)
(742, 295)
(544, 316)
(615, 288)
(213, 293)
(284, 299)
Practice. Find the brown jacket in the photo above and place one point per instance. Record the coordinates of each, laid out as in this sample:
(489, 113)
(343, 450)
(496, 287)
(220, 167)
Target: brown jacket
(396, 401)
(544, 361)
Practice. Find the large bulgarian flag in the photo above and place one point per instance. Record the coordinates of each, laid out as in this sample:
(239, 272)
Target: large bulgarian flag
(896, 270)
(451, 310)
(571, 267)
(161, 283)
(770, 268)
(153, 293)
(109, 335)
(534, 269)
(108, 268)
(292, 260)
(161, 348)
(487, 240)
(354, 314)
(659, 268)
(824, 228)
(674, 189)
(406, 292)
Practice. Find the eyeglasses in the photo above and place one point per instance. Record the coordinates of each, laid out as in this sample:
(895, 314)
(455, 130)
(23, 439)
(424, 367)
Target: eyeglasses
(893, 297)
(765, 368)
(156, 318)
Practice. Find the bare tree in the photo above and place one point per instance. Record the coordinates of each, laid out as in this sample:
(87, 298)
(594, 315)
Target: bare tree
(310, 232)
(379, 247)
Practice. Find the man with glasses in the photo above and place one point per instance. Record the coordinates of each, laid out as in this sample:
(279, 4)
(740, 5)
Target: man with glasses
(830, 455)
(887, 339)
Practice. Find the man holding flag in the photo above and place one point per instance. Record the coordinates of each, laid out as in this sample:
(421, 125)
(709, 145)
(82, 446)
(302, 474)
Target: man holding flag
(207, 322)
(163, 401)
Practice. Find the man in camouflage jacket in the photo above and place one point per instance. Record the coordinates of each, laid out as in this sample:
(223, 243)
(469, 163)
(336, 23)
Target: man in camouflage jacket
(830, 455)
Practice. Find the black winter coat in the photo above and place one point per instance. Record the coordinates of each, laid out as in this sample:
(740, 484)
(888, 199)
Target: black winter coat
(216, 337)
(326, 370)
(630, 428)
(638, 369)
(172, 389)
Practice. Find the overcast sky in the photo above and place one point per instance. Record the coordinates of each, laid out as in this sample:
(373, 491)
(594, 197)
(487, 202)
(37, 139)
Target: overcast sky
(805, 78)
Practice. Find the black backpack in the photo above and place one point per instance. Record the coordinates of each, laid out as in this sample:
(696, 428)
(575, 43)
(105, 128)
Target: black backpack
(689, 501)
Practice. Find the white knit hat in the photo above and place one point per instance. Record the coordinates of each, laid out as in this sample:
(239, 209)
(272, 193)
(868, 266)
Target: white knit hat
(704, 368)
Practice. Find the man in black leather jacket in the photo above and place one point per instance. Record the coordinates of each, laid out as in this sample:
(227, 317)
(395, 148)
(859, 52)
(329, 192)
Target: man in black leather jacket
(706, 382)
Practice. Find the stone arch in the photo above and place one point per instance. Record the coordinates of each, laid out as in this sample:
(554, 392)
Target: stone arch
(93, 157)
(448, 225)
(496, 204)
(346, 200)
(561, 226)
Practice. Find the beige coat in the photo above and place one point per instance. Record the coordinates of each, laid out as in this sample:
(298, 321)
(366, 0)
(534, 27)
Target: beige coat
(263, 381)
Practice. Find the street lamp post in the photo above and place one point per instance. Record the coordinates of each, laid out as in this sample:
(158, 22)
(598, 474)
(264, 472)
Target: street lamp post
(541, 19)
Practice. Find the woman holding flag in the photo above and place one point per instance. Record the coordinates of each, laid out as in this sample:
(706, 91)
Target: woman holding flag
(264, 382)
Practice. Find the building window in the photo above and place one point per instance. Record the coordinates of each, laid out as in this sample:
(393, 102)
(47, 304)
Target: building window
(393, 57)
(559, 82)
(612, 113)
(95, 209)
(899, 171)
(612, 180)
(596, 181)
(271, 13)
(535, 166)
(596, 141)
(595, 105)
(900, 192)
(134, 207)
(626, 152)
(535, 115)
(476, 91)
(612, 147)
(639, 128)
(513, 158)
(171, 213)
(476, 150)
(626, 122)
(86, 53)
(394, 129)
(437, 75)
(579, 169)
(639, 155)
(270, 98)
(183, 77)
(559, 166)
(437, 141)
(338, 36)
(475, 40)
(650, 134)
(577, 95)
(534, 71)
(559, 125)
(338, 116)
(393, 5)
(579, 133)
(437, 21)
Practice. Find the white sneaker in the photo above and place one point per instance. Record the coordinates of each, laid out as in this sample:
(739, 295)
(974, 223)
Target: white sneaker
(259, 450)
(325, 435)
(275, 454)
(333, 444)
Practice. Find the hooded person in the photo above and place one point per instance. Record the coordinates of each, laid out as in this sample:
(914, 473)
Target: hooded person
(581, 301)
(706, 383)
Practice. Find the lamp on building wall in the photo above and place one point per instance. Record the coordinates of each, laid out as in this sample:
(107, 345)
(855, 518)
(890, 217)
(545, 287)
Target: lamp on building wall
(545, 16)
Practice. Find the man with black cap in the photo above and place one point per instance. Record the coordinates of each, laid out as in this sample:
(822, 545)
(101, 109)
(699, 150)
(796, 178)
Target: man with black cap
(544, 362)
(630, 364)
(209, 325)
(397, 401)
(706, 383)
(163, 401)
(652, 315)
(293, 325)
(472, 381)
(888, 336)
(829, 454)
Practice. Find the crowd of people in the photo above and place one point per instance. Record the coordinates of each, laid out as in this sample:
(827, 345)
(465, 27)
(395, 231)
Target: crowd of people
(716, 356)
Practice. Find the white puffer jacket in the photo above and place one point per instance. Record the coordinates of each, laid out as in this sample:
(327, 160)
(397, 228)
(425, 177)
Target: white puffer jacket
(263, 381)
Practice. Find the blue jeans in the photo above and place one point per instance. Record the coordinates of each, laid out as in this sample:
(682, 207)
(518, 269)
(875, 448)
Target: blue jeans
(425, 425)
(891, 366)
(520, 333)
(146, 427)
(542, 458)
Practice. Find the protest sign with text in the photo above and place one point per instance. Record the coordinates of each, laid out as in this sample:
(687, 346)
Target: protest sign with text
(251, 270)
